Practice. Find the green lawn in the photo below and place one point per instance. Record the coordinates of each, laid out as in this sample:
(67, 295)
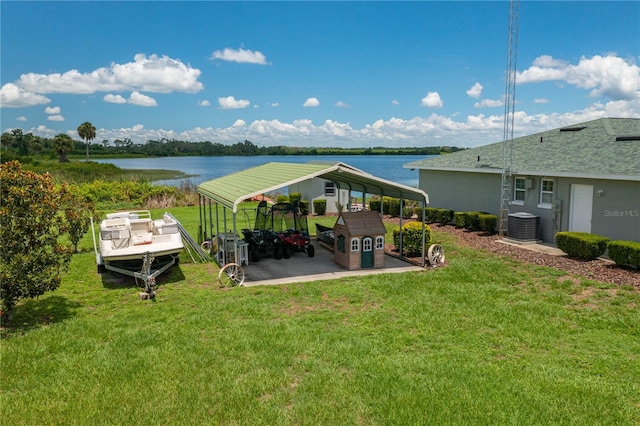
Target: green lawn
(486, 340)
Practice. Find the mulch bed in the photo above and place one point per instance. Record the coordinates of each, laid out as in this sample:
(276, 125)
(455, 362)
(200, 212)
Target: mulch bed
(599, 270)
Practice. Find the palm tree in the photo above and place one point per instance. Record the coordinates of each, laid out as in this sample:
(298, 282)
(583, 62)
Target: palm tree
(87, 132)
(62, 144)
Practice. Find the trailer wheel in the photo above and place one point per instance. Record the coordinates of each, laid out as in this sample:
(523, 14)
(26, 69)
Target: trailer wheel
(311, 251)
(231, 275)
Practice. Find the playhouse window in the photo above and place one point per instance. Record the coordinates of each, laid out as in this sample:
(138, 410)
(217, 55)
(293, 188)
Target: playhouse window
(355, 244)
(367, 244)
(379, 243)
(341, 243)
(329, 189)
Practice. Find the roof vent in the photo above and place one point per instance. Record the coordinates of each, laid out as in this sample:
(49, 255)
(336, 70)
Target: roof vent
(572, 129)
(628, 138)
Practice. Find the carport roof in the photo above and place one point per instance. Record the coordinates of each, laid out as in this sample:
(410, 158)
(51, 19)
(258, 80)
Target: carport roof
(230, 190)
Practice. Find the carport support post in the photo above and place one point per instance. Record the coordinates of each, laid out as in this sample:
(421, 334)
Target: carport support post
(400, 244)
(424, 211)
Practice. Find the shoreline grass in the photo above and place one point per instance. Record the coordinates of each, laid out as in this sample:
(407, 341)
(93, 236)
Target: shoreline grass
(486, 340)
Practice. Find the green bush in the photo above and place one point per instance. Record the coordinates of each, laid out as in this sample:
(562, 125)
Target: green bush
(295, 197)
(460, 219)
(411, 237)
(488, 223)
(282, 199)
(393, 205)
(304, 207)
(472, 220)
(581, 245)
(320, 207)
(374, 205)
(625, 253)
(445, 216)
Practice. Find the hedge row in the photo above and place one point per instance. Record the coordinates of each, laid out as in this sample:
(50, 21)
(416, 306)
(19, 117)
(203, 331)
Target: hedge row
(581, 245)
(476, 221)
(411, 237)
(625, 253)
(435, 215)
(320, 207)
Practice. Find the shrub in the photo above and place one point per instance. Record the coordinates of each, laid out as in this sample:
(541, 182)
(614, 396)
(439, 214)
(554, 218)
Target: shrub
(460, 219)
(488, 223)
(282, 199)
(393, 206)
(407, 212)
(320, 207)
(304, 207)
(294, 197)
(374, 205)
(625, 253)
(445, 216)
(411, 237)
(431, 215)
(581, 245)
(472, 220)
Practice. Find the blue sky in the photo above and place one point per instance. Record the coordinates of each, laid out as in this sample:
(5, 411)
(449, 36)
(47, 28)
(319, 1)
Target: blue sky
(350, 74)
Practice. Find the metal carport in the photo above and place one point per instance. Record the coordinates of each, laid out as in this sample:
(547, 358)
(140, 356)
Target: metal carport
(231, 190)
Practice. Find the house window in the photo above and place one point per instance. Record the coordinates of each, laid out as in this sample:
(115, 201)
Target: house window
(329, 189)
(546, 193)
(341, 243)
(355, 244)
(379, 243)
(367, 244)
(519, 190)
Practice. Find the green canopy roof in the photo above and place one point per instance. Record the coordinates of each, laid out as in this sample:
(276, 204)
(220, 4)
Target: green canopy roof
(230, 190)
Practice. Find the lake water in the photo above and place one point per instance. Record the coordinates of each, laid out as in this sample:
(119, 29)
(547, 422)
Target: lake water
(389, 167)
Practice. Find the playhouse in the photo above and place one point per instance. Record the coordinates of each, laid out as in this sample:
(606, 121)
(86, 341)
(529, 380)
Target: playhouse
(359, 240)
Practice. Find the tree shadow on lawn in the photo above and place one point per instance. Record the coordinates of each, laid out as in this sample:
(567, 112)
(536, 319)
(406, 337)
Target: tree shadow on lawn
(40, 311)
(113, 281)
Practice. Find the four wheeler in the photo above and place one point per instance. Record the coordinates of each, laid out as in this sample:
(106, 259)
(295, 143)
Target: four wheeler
(262, 240)
(291, 225)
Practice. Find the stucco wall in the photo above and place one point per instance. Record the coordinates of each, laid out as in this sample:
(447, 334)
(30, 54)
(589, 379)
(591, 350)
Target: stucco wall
(615, 211)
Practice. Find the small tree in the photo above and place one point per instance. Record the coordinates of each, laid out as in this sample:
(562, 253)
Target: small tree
(62, 144)
(31, 257)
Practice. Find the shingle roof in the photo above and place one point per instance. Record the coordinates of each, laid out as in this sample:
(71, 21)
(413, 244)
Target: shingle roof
(363, 223)
(606, 148)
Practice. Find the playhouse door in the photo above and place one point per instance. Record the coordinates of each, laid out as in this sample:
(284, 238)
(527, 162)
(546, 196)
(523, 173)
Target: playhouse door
(367, 253)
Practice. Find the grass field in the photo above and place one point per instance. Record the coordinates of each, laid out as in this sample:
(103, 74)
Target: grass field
(486, 340)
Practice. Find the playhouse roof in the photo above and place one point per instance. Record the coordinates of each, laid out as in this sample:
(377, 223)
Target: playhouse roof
(362, 223)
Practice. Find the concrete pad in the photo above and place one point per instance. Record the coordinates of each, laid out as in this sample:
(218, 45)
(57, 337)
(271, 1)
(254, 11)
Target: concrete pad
(534, 246)
(301, 268)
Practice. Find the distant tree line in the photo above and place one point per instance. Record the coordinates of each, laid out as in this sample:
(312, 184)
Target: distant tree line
(62, 146)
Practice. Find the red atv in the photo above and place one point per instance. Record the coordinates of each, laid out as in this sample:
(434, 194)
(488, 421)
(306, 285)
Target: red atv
(291, 225)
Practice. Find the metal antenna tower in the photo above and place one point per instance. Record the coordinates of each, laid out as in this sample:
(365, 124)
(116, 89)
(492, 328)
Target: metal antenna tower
(509, 109)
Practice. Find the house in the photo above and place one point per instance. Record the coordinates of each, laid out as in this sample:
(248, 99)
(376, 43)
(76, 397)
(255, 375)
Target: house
(338, 199)
(584, 177)
(359, 240)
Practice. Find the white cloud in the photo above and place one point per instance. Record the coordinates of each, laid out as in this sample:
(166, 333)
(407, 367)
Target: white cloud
(52, 110)
(157, 74)
(204, 103)
(139, 99)
(608, 76)
(275, 104)
(311, 103)
(541, 101)
(55, 118)
(232, 103)
(475, 91)
(13, 96)
(21, 118)
(489, 103)
(395, 102)
(432, 100)
(341, 104)
(240, 56)
(114, 99)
